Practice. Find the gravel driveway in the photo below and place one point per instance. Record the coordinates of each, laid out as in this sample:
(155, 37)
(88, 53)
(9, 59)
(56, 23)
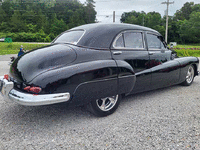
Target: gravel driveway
(167, 118)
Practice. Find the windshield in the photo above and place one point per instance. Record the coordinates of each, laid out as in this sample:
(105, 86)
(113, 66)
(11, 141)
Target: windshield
(69, 37)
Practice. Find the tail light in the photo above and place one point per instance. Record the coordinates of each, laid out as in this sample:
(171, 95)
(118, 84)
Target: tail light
(27, 88)
(33, 89)
(6, 76)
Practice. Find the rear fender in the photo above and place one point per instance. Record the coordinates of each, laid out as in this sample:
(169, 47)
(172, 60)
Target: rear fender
(68, 78)
(126, 77)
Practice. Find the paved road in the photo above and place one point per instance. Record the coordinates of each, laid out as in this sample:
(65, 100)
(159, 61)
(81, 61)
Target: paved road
(167, 118)
(7, 57)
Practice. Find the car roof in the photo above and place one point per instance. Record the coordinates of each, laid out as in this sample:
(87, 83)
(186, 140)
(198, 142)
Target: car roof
(100, 36)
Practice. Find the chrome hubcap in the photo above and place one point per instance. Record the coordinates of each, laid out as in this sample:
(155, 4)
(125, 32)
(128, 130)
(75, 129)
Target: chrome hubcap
(190, 75)
(106, 104)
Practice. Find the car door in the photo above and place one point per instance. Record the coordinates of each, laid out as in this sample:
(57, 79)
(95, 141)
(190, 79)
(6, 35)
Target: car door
(165, 71)
(130, 47)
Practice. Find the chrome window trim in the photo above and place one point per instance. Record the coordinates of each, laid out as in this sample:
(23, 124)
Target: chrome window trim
(84, 31)
(126, 48)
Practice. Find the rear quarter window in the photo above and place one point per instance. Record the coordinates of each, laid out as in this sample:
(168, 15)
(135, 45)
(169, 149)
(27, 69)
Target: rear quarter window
(71, 37)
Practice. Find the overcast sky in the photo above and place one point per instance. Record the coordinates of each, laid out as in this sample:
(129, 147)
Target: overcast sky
(105, 8)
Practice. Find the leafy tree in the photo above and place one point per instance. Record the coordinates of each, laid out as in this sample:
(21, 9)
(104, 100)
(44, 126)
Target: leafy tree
(75, 20)
(153, 19)
(196, 8)
(41, 20)
(190, 29)
(127, 15)
(185, 11)
(7, 7)
(2, 15)
(31, 28)
(16, 23)
(29, 17)
(90, 12)
(57, 26)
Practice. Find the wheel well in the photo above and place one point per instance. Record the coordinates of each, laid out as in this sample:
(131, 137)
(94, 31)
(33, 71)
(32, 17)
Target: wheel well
(195, 69)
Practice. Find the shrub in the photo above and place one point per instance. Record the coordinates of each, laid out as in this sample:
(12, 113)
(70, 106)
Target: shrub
(28, 37)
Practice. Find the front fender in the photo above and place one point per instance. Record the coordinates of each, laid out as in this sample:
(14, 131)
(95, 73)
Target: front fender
(184, 64)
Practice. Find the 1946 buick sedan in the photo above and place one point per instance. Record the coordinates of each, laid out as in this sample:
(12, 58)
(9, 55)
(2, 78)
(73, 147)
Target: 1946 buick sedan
(95, 65)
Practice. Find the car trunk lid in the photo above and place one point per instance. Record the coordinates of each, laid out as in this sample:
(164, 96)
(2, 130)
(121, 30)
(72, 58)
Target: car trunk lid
(26, 67)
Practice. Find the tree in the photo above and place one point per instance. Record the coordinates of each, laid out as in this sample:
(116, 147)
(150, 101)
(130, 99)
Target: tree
(29, 17)
(153, 19)
(41, 20)
(196, 8)
(46, 17)
(8, 9)
(185, 11)
(57, 26)
(76, 20)
(2, 15)
(127, 15)
(190, 29)
(16, 22)
(90, 13)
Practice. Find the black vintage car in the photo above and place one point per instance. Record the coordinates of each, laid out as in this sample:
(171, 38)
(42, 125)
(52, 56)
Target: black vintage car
(96, 64)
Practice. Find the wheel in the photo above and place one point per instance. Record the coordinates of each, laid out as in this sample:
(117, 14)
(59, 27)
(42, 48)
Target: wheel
(189, 77)
(104, 106)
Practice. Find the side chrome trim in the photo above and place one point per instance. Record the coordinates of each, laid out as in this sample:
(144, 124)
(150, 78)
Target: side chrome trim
(35, 100)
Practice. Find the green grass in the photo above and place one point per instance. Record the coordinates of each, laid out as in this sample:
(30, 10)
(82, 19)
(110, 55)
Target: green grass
(185, 53)
(14, 47)
(188, 50)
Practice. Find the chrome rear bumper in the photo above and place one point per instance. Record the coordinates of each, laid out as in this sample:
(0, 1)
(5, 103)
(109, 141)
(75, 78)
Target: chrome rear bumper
(11, 94)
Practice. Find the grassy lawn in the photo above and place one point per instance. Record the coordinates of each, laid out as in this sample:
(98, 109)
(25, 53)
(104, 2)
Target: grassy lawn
(13, 48)
(188, 50)
(185, 53)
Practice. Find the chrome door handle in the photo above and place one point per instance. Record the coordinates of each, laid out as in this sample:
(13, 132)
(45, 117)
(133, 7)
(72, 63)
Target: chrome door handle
(151, 53)
(117, 53)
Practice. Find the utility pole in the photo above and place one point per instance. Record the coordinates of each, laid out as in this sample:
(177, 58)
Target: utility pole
(166, 31)
(113, 16)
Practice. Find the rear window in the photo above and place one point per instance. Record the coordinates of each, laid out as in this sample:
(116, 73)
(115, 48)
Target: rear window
(69, 37)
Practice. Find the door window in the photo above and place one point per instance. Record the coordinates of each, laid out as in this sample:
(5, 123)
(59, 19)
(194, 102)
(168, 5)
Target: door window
(154, 42)
(133, 40)
(130, 40)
